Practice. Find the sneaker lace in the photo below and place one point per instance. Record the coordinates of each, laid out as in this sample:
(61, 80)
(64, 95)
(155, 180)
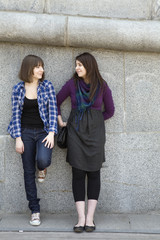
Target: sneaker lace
(35, 216)
(42, 174)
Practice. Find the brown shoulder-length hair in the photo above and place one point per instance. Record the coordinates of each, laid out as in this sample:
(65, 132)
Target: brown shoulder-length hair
(92, 72)
(28, 64)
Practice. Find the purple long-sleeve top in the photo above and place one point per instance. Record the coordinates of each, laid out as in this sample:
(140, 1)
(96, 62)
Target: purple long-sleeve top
(105, 96)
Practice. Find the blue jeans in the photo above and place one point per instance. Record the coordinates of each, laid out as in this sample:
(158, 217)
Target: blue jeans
(34, 153)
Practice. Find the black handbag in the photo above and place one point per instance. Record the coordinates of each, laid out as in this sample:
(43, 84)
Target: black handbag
(62, 137)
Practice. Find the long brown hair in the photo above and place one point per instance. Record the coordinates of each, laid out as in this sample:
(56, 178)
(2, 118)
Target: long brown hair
(92, 72)
(28, 64)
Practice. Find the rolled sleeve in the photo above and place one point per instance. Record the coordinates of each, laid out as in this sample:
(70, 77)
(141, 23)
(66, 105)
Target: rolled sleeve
(15, 127)
(52, 110)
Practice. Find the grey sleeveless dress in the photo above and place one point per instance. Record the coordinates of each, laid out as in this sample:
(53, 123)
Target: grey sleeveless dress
(86, 139)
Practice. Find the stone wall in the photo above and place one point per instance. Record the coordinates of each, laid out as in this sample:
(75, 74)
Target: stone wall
(124, 36)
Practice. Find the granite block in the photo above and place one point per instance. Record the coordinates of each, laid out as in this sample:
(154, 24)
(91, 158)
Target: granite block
(36, 6)
(126, 9)
(142, 92)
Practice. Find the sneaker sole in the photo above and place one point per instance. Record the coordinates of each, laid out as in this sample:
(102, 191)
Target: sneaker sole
(41, 180)
(35, 224)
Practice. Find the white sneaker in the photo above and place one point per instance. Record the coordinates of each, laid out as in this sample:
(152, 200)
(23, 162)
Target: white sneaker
(42, 175)
(35, 219)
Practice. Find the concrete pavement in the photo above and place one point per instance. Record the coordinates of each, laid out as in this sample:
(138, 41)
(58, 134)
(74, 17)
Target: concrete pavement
(69, 235)
(105, 223)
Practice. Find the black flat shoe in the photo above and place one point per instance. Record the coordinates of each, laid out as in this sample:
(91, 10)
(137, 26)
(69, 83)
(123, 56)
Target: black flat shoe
(90, 228)
(78, 229)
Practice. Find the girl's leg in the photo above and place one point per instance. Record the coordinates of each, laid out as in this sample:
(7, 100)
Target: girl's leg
(93, 191)
(28, 160)
(80, 206)
(78, 187)
(90, 212)
(43, 154)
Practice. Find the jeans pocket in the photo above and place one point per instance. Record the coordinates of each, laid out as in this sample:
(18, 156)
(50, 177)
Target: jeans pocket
(23, 130)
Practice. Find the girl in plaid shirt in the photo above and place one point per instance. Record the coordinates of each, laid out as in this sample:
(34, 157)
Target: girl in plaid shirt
(33, 125)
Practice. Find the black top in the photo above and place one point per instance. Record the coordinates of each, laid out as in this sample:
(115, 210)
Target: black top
(30, 114)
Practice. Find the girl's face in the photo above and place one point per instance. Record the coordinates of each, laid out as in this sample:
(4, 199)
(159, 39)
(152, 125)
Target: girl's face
(38, 72)
(80, 70)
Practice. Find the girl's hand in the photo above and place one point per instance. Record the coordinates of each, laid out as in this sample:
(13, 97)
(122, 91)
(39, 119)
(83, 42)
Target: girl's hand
(19, 145)
(60, 121)
(49, 140)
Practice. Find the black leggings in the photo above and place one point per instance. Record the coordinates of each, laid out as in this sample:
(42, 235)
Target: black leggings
(78, 184)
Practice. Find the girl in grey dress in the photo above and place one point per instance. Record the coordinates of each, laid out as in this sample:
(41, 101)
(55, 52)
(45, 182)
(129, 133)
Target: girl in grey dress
(86, 134)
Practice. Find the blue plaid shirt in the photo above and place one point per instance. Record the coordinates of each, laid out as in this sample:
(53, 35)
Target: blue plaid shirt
(47, 107)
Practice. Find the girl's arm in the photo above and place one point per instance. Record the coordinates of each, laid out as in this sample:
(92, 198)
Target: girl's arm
(52, 109)
(61, 96)
(16, 123)
(49, 139)
(19, 145)
(60, 121)
(108, 103)
(16, 115)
